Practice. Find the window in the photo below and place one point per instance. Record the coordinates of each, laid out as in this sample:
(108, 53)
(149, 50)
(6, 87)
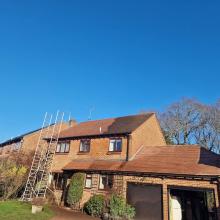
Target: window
(115, 145)
(58, 181)
(88, 181)
(105, 182)
(84, 146)
(63, 147)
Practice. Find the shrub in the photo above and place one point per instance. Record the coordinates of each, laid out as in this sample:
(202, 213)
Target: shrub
(13, 178)
(75, 191)
(120, 209)
(95, 205)
(129, 212)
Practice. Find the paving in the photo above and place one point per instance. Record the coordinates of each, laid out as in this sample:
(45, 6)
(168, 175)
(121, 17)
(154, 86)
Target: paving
(67, 214)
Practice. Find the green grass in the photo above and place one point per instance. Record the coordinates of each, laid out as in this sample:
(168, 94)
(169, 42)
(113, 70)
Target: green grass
(15, 210)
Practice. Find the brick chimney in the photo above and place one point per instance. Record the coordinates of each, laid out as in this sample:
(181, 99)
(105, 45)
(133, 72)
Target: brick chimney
(72, 122)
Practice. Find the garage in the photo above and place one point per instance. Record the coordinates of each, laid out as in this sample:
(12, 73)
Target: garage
(191, 204)
(147, 200)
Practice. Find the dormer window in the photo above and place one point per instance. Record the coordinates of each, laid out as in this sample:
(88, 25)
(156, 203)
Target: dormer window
(63, 147)
(115, 145)
(84, 146)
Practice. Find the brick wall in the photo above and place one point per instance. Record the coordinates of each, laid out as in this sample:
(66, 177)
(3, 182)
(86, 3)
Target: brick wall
(3, 150)
(7, 149)
(58, 195)
(148, 134)
(98, 150)
(171, 182)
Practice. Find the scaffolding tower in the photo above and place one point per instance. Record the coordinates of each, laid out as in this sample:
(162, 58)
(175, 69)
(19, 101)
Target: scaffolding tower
(38, 178)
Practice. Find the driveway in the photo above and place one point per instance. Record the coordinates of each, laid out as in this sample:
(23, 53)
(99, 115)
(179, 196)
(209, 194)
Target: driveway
(66, 214)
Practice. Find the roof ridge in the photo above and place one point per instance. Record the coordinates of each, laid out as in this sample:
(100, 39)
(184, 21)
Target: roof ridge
(147, 113)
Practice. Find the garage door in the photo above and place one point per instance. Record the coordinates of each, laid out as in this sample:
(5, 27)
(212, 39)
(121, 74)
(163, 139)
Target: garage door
(147, 200)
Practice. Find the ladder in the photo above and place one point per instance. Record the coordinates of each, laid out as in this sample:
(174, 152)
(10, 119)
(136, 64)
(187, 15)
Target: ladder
(38, 178)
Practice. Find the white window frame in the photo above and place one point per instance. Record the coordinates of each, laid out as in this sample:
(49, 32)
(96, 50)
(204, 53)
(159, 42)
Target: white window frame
(113, 145)
(82, 146)
(101, 184)
(63, 147)
(88, 181)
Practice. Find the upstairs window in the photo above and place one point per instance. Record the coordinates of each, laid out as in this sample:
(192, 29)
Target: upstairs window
(84, 146)
(63, 147)
(105, 182)
(115, 145)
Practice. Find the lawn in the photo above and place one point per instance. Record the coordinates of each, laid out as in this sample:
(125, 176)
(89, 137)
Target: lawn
(15, 210)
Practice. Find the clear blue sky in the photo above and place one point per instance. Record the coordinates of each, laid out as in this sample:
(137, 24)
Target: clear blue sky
(119, 56)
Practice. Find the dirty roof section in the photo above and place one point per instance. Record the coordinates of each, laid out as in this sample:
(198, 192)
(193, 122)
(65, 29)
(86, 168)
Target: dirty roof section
(111, 126)
(178, 160)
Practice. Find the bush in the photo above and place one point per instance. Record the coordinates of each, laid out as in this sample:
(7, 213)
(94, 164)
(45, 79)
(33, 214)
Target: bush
(95, 205)
(129, 212)
(75, 191)
(13, 178)
(120, 209)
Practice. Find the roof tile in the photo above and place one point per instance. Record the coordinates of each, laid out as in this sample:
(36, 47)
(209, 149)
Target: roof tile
(182, 160)
(110, 126)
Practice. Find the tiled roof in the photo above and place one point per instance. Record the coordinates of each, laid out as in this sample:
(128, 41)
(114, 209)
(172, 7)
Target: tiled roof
(111, 126)
(178, 160)
(17, 138)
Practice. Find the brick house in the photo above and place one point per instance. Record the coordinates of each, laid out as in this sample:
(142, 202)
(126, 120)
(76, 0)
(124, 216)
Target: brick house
(129, 156)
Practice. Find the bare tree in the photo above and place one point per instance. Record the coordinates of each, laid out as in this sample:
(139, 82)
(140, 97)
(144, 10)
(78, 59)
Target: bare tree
(208, 133)
(180, 120)
(191, 122)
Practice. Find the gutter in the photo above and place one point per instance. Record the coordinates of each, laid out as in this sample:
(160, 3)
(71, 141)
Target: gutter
(149, 174)
(93, 136)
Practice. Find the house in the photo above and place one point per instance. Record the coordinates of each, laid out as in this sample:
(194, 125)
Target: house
(129, 156)
(25, 143)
